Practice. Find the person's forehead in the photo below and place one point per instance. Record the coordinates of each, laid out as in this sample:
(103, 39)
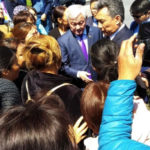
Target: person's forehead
(79, 18)
(103, 13)
(94, 4)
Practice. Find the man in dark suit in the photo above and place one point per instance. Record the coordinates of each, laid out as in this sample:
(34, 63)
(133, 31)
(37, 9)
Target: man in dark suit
(110, 16)
(91, 21)
(75, 45)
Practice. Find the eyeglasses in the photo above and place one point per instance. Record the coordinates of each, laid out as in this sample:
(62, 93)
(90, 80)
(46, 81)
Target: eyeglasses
(136, 16)
(74, 24)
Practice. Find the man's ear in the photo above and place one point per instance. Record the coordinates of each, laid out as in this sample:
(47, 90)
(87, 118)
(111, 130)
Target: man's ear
(93, 68)
(59, 20)
(117, 19)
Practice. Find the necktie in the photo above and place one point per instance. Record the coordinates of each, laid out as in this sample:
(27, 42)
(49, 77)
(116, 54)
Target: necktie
(84, 51)
(29, 3)
(83, 47)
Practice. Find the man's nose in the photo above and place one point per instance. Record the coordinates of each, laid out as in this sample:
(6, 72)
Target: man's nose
(77, 26)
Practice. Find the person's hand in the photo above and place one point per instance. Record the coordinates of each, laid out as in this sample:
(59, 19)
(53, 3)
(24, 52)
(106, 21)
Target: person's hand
(84, 76)
(43, 17)
(80, 130)
(129, 65)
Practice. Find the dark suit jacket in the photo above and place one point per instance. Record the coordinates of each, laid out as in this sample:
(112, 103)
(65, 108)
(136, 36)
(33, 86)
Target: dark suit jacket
(89, 21)
(73, 59)
(122, 35)
(40, 82)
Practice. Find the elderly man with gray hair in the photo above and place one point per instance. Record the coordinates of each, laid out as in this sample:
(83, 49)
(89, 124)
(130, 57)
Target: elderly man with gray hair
(110, 17)
(75, 45)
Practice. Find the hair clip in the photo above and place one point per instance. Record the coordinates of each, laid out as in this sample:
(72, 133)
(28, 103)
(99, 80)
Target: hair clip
(115, 62)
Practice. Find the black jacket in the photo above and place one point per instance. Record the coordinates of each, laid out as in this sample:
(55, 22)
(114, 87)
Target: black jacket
(39, 81)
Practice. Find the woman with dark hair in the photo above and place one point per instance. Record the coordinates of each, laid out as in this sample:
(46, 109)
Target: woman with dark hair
(43, 59)
(36, 126)
(104, 58)
(92, 109)
(9, 70)
(23, 16)
(12, 43)
(40, 26)
(104, 55)
(22, 32)
(60, 19)
(91, 105)
(115, 129)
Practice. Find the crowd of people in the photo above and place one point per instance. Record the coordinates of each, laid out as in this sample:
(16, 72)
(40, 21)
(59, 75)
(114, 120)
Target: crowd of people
(74, 81)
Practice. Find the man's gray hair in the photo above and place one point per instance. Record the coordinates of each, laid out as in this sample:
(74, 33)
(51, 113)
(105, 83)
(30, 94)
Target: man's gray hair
(75, 10)
(115, 7)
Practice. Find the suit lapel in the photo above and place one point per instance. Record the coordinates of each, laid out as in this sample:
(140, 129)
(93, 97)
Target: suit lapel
(120, 34)
(90, 40)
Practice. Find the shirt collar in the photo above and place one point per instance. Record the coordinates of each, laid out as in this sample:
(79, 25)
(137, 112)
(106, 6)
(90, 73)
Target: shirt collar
(94, 20)
(114, 34)
(148, 20)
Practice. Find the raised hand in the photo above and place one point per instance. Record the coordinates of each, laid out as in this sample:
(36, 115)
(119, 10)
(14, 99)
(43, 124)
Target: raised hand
(129, 65)
(80, 130)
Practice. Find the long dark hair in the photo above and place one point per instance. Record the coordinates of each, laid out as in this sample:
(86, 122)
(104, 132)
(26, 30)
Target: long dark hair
(35, 126)
(92, 104)
(7, 58)
(104, 55)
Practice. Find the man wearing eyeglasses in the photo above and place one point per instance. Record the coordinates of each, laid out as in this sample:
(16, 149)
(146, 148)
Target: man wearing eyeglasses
(110, 17)
(140, 10)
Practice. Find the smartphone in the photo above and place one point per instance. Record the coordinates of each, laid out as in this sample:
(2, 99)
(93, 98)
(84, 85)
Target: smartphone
(144, 37)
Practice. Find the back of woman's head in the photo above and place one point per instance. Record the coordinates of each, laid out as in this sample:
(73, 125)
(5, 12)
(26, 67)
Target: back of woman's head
(45, 97)
(7, 58)
(35, 127)
(23, 16)
(21, 30)
(42, 52)
(58, 12)
(104, 55)
(92, 104)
